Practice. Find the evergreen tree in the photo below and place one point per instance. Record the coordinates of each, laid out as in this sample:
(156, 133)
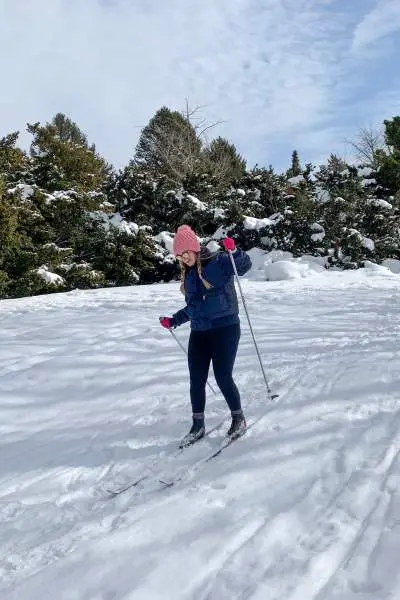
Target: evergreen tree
(222, 161)
(62, 158)
(169, 146)
(337, 178)
(13, 161)
(295, 169)
(389, 173)
(392, 134)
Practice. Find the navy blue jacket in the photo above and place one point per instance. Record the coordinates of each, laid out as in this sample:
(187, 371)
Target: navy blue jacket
(217, 306)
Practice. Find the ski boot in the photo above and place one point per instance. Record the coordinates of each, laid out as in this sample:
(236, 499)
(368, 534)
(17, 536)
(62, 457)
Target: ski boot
(196, 432)
(238, 426)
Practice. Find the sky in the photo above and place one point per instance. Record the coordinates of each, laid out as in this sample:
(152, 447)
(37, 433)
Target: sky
(276, 75)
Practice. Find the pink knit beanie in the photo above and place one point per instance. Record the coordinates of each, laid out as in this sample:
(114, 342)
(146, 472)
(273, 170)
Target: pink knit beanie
(185, 239)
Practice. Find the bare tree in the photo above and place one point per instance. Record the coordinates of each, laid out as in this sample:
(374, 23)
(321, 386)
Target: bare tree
(368, 145)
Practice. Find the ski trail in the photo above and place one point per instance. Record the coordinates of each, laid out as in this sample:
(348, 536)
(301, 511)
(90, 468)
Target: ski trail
(83, 512)
(343, 529)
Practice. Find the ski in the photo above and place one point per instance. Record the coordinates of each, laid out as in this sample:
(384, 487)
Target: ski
(226, 442)
(113, 492)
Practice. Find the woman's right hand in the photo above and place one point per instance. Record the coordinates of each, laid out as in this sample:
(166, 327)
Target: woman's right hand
(166, 322)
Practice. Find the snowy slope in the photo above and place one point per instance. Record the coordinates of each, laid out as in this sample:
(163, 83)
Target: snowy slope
(306, 507)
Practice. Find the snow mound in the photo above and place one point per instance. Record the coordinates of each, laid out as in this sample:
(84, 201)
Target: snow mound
(284, 269)
(392, 264)
(378, 270)
(278, 265)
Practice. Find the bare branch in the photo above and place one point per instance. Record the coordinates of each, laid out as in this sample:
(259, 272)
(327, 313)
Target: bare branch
(367, 143)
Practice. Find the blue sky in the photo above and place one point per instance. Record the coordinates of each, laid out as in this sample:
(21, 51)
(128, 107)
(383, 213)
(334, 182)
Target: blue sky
(279, 74)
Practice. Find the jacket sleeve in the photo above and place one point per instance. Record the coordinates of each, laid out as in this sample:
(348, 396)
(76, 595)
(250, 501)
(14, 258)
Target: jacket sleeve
(242, 262)
(180, 317)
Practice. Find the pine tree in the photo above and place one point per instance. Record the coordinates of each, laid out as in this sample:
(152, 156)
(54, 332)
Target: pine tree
(389, 173)
(13, 161)
(169, 146)
(295, 169)
(62, 158)
(337, 178)
(223, 161)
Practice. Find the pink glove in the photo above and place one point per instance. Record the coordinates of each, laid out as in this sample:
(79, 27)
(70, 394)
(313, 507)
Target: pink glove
(166, 322)
(229, 244)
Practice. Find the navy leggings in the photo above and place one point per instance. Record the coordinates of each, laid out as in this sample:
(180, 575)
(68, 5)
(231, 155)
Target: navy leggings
(219, 346)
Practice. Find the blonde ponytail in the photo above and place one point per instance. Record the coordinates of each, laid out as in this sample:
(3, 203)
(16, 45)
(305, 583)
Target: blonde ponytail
(183, 275)
(207, 285)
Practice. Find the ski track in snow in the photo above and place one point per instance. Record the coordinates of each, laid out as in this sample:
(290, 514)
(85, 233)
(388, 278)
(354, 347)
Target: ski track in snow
(306, 506)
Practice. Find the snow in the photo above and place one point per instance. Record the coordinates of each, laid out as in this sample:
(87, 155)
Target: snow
(74, 265)
(24, 189)
(179, 195)
(49, 277)
(117, 221)
(128, 227)
(106, 205)
(291, 269)
(166, 240)
(319, 234)
(367, 182)
(305, 507)
(219, 213)
(222, 232)
(317, 237)
(198, 203)
(369, 244)
(321, 194)
(213, 246)
(253, 223)
(392, 264)
(59, 195)
(294, 181)
(380, 203)
(364, 171)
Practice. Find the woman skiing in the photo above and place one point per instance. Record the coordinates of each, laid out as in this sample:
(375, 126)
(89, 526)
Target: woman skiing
(207, 281)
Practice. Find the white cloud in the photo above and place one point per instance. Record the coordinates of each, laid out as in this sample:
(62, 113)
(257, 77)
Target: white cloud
(381, 21)
(272, 71)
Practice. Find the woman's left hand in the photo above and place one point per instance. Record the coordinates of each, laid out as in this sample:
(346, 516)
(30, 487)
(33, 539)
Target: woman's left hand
(229, 244)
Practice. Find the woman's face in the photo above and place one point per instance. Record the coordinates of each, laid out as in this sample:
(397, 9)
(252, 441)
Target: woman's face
(188, 258)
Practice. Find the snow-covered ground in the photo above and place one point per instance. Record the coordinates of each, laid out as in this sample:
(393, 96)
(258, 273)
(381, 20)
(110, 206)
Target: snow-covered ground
(305, 507)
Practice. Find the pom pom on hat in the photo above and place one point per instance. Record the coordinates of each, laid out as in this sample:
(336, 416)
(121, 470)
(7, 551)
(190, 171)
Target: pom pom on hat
(185, 239)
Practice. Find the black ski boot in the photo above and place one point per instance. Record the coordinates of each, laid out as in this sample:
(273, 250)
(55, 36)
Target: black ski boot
(238, 426)
(196, 432)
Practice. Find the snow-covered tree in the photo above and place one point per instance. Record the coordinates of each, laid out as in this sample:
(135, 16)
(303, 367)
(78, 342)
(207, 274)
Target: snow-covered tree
(63, 159)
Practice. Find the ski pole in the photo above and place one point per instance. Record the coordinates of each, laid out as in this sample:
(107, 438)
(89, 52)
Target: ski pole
(270, 395)
(185, 351)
